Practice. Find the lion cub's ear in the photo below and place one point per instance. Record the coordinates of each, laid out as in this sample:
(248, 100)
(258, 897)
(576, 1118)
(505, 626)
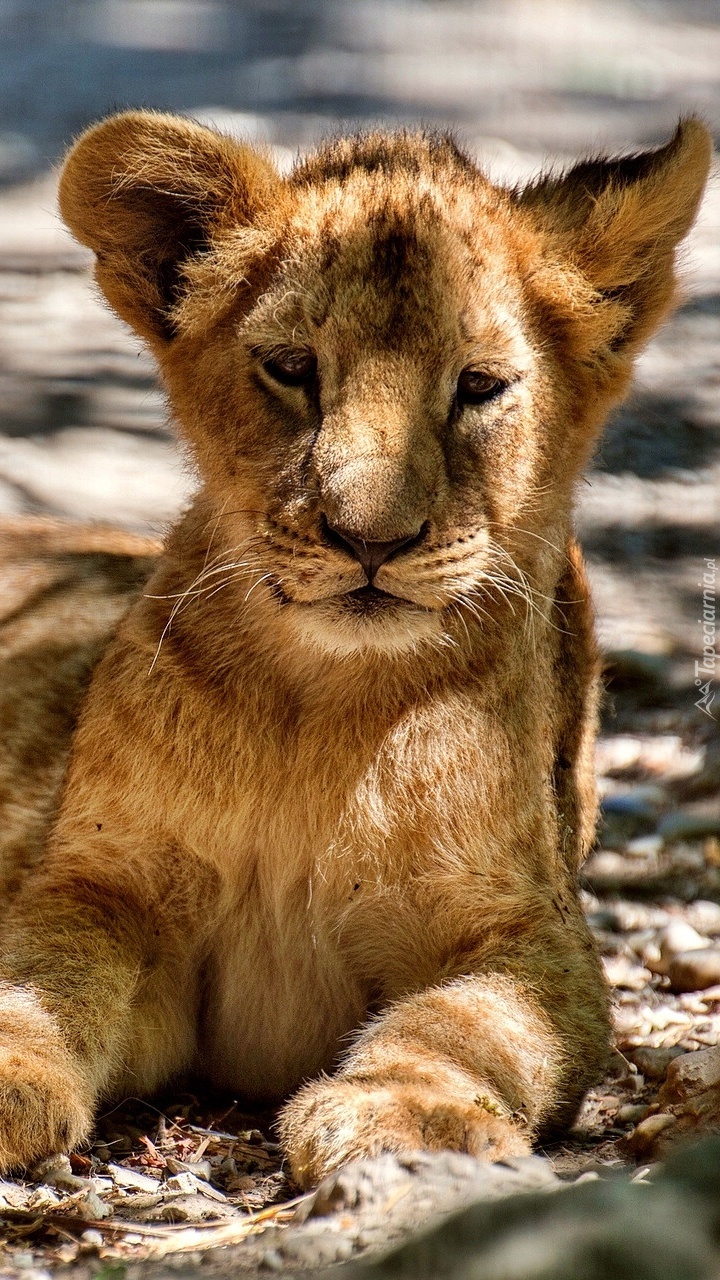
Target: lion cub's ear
(146, 192)
(620, 221)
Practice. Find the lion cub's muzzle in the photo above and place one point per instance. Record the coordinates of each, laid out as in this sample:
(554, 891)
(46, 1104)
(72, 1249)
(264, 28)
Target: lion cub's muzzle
(371, 555)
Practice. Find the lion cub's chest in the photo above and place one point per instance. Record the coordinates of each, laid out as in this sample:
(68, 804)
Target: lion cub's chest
(330, 897)
(277, 999)
(280, 989)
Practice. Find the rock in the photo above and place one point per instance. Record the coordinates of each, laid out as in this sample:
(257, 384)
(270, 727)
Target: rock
(132, 1179)
(695, 970)
(92, 1208)
(695, 1167)
(56, 1171)
(709, 995)
(626, 815)
(644, 846)
(92, 1240)
(653, 1063)
(621, 971)
(241, 1182)
(643, 1141)
(631, 1113)
(704, 916)
(634, 916)
(663, 754)
(688, 826)
(611, 1230)
(187, 1184)
(692, 1078)
(198, 1168)
(677, 938)
(12, 1196)
(606, 871)
(689, 1103)
(666, 755)
(616, 754)
(707, 780)
(187, 1208)
(449, 1177)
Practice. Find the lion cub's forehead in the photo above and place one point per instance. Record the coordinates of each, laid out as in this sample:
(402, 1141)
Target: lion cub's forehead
(397, 254)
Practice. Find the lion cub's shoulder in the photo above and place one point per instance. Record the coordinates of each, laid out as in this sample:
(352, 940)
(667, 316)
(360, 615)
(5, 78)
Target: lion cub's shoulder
(63, 589)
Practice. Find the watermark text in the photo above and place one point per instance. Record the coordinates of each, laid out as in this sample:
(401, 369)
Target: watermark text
(705, 667)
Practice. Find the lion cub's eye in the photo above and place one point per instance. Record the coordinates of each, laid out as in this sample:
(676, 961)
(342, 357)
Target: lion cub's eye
(292, 368)
(475, 387)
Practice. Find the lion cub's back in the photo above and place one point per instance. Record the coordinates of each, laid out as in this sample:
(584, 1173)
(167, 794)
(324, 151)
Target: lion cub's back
(63, 589)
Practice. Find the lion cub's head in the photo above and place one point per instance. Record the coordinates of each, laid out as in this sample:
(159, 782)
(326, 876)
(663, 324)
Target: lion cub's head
(390, 370)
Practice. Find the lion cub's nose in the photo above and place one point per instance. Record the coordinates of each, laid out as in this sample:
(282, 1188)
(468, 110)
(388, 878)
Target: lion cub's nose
(370, 554)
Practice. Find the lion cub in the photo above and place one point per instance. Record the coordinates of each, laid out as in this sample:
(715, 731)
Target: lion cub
(333, 772)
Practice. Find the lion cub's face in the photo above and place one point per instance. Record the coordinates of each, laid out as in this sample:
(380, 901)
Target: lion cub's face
(399, 389)
(391, 371)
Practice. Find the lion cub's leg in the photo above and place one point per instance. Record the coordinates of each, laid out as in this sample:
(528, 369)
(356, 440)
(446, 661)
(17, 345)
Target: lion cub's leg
(485, 1064)
(45, 1102)
(95, 1000)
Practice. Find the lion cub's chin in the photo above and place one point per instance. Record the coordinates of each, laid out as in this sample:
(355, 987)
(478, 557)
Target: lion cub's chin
(342, 627)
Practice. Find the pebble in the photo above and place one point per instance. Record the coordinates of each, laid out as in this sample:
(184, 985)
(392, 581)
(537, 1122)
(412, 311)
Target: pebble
(11, 1195)
(688, 857)
(132, 1179)
(704, 916)
(92, 1239)
(620, 971)
(644, 846)
(642, 1140)
(188, 1184)
(676, 939)
(57, 1171)
(199, 1168)
(695, 970)
(92, 1208)
(711, 995)
(664, 754)
(688, 826)
(643, 801)
(627, 815)
(697, 1074)
(632, 1113)
(653, 1063)
(615, 754)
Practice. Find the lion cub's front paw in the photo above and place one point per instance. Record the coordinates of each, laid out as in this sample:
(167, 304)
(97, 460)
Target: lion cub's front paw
(332, 1121)
(44, 1108)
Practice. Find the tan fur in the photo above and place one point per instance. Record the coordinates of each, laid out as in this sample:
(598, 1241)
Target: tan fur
(293, 812)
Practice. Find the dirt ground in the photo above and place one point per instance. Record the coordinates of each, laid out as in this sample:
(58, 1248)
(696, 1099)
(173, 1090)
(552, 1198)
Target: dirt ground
(83, 434)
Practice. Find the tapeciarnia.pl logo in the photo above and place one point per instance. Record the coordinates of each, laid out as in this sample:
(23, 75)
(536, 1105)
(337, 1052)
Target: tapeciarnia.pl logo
(705, 669)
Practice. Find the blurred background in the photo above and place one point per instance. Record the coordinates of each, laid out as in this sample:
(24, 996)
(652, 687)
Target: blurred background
(82, 425)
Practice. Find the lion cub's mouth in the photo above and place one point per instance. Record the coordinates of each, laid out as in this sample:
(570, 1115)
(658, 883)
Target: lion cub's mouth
(368, 599)
(369, 593)
(371, 599)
